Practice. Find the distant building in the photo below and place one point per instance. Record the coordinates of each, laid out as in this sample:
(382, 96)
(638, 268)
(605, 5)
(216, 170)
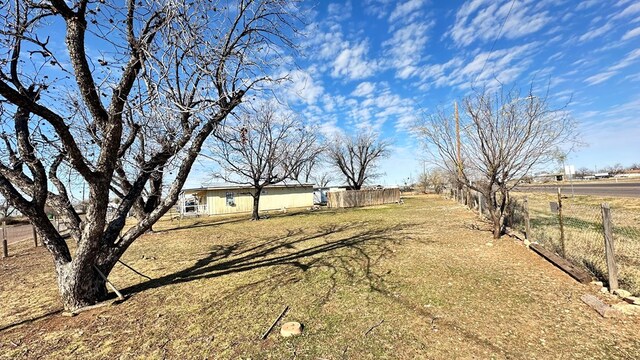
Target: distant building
(548, 177)
(231, 198)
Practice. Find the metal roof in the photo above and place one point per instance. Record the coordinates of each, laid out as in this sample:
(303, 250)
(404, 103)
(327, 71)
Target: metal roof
(231, 186)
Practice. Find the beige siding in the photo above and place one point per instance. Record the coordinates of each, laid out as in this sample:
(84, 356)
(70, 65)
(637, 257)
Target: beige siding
(271, 199)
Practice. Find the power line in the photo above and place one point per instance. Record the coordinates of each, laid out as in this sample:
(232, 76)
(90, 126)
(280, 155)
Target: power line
(494, 43)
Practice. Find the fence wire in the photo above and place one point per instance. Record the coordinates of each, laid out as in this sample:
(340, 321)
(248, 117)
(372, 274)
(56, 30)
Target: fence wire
(626, 235)
(574, 231)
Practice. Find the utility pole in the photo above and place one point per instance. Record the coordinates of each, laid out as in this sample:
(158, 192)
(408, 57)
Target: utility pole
(459, 160)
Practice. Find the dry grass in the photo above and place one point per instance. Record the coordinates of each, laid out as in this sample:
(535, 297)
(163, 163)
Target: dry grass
(219, 282)
(584, 241)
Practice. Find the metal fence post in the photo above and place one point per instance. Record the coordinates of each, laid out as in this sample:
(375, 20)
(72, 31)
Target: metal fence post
(527, 223)
(562, 245)
(610, 253)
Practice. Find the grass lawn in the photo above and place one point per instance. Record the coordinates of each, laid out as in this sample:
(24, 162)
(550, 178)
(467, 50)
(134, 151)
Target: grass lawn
(426, 271)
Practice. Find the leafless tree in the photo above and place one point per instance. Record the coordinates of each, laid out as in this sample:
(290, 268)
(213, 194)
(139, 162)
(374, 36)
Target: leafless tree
(262, 148)
(503, 136)
(6, 210)
(435, 179)
(132, 92)
(357, 157)
(322, 177)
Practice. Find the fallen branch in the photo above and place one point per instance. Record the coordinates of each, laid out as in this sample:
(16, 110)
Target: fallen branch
(120, 297)
(264, 336)
(373, 327)
(134, 270)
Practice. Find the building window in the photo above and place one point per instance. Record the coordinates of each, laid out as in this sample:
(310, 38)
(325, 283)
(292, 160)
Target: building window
(230, 199)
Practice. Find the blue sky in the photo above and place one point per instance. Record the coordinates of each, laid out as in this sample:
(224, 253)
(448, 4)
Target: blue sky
(379, 63)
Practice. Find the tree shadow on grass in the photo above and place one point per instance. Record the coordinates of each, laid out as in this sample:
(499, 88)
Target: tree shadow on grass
(30, 320)
(340, 249)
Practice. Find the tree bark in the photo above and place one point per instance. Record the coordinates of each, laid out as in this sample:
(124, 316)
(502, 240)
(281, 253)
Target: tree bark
(80, 286)
(256, 205)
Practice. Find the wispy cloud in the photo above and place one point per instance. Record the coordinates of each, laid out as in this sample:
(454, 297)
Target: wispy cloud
(303, 87)
(631, 58)
(481, 20)
(595, 32)
(631, 34)
(406, 48)
(364, 89)
(352, 62)
(487, 69)
(630, 10)
(407, 10)
(599, 78)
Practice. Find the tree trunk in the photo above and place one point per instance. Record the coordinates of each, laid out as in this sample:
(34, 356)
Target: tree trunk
(80, 287)
(256, 205)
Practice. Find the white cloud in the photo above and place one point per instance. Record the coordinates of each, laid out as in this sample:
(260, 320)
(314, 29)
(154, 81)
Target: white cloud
(627, 60)
(599, 78)
(339, 12)
(631, 58)
(502, 66)
(364, 89)
(482, 20)
(377, 8)
(407, 10)
(352, 62)
(587, 4)
(303, 87)
(406, 48)
(596, 32)
(632, 9)
(631, 34)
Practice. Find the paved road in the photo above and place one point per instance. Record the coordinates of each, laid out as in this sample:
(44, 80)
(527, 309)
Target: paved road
(624, 189)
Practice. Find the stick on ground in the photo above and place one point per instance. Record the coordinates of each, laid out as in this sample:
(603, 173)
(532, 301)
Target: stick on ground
(264, 336)
(134, 270)
(373, 327)
(120, 297)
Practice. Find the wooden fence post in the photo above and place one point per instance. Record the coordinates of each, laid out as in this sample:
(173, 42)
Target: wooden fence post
(527, 222)
(562, 245)
(609, 249)
(35, 235)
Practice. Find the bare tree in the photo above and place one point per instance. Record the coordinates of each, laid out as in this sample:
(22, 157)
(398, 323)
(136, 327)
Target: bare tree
(6, 210)
(503, 136)
(435, 179)
(261, 148)
(357, 157)
(322, 178)
(160, 77)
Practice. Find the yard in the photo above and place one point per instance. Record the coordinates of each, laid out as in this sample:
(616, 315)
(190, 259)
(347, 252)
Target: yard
(419, 280)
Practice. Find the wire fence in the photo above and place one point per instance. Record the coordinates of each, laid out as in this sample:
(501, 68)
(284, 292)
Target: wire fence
(573, 230)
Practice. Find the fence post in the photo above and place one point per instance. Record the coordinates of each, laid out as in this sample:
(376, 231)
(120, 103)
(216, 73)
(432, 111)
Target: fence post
(527, 223)
(562, 245)
(35, 235)
(609, 249)
(480, 203)
(5, 247)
